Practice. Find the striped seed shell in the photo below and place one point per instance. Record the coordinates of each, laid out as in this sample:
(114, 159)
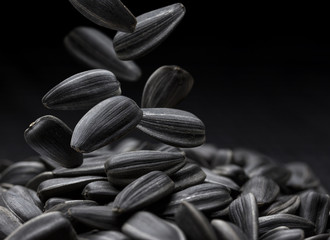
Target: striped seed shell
(28, 194)
(144, 191)
(173, 126)
(283, 204)
(151, 30)
(193, 222)
(166, 87)
(223, 181)
(283, 233)
(93, 49)
(8, 222)
(264, 189)
(125, 167)
(50, 136)
(103, 235)
(104, 123)
(112, 14)
(243, 211)
(82, 90)
(64, 187)
(100, 191)
(267, 223)
(227, 230)
(47, 226)
(147, 226)
(314, 206)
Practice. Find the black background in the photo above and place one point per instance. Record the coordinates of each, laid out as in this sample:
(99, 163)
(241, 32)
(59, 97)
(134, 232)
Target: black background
(261, 73)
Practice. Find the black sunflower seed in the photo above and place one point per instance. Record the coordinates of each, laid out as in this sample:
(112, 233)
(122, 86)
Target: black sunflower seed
(211, 177)
(34, 182)
(100, 191)
(103, 235)
(283, 233)
(232, 171)
(51, 202)
(227, 230)
(8, 222)
(283, 204)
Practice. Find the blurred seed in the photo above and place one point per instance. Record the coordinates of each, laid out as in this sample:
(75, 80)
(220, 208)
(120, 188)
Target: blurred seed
(264, 189)
(8, 222)
(166, 87)
(19, 173)
(315, 207)
(223, 181)
(202, 155)
(82, 90)
(64, 207)
(243, 211)
(128, 144)
(193, 222)
(282, 233)
(103, 235)
(100, 191)
(151, 30)
(4, 163)
(125, 167)
(222, 157)
(28, 194)
(283, 204)
(47, 226)
(173, 126)
(50, 136)
(144, 191)
(189, 175)
(64, 187)
(220, 214)
(267, 223)
(324, 236)
(112, 14)
(34, 182)
(206, 197)
(234, 172)
(147, 226)
(104, 123)
(51, 202)
(227, 230)
(94, 49)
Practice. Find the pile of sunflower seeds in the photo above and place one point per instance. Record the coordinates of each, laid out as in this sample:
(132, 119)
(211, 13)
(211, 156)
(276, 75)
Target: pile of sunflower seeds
(97, 182)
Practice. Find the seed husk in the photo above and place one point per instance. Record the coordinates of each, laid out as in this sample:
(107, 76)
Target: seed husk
(223, 181)
(103, 235)
(283, 204)
(104, 123)
(100, 191)
(34, 182)
(314, 206)
(144, 191)
(50, 136)
(82, 91)
(227, 230)
(243, 211)
(166, 87)
(64, 187)
(28, 194)
(148, 226)
(283, 233)
(189, 175)
(267, 223)
(264, 189)
(173, 126)
(47, 226)
(193, 222)
(94, 49)
(131, 165)
(8, 222)
(112, 14)
(151, 30)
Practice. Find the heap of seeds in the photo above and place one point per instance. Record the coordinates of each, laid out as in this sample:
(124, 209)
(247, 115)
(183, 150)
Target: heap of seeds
(97, 182)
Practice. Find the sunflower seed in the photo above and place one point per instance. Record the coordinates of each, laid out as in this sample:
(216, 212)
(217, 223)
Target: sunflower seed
(82, 90)
(193, 222)
(243, 211)
(234, 172)
(19, 173)
(283, 204)
(51, 202)
(202, 155)
(264, 189)
(50, 136)
(151, 30)
(130, 165)
(47, 226)
(220, 214)
(166, 87)
(103, 235)
(283, 233)
(104, 123)
(62, 187)
(100, 191)
(98, 217)
(227, 230)
(189, 175)
(143, 191)
(112, 14)
(64, 207)
(315, 207)
(324, 236)
(8, 222)
(94, 49)
(267, 223)
(28, 194)
(173, 126)
(206, 197)
(147, 226)
(34, 182)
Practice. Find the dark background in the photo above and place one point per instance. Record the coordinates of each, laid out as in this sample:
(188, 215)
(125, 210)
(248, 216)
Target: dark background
(261, 73)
